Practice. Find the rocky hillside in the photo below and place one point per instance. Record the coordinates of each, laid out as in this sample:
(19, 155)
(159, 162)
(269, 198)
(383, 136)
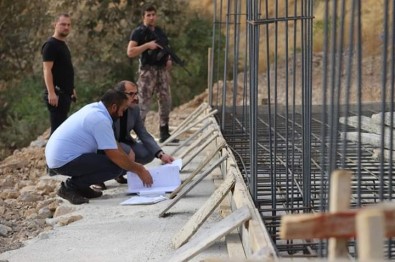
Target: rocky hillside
(28, 201)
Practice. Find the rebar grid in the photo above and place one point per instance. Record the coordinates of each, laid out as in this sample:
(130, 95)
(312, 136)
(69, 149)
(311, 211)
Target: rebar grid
(262, 85)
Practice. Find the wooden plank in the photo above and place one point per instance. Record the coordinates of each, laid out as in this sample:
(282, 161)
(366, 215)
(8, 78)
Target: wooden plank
(192, 116)
(190, 126)
(370, 228)
(235, 246)
(320, 225)
(326, 225)
(199, 149)
(257, 241)
(187, 141)
(197, 170)
(195, 144)
(255, 238)
(203, 213)
(189, 187)
(207, 237)
(339, 200)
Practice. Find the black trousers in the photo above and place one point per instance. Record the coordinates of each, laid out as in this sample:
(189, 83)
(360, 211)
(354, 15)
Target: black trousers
(143, 155)
(89, 169)
(57, 115)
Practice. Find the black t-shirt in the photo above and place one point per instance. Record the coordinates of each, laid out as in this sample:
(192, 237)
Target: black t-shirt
(142, 35)
(62, 71)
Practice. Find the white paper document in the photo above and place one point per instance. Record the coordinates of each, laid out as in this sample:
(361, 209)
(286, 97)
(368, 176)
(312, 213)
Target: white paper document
(166, 178)
(143, 200)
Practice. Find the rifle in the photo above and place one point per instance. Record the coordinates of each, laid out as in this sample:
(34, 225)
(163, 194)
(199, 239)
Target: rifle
(174, 57)
(167, 50)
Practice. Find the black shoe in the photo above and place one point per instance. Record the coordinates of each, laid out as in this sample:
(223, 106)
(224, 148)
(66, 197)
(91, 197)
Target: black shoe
(71, 195)
(121, 180)
(164, 134)
(51, 172)
(100, 186)
(89, 193)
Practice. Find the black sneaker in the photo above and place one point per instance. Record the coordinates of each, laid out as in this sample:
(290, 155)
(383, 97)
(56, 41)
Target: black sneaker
(121, 180)
(71, 195)
(51, 172)
(89, 193)
(164, 134)
(100, 186)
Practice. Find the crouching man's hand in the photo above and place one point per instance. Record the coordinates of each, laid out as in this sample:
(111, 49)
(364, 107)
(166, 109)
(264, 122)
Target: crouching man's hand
(165, 158)
(145, 177)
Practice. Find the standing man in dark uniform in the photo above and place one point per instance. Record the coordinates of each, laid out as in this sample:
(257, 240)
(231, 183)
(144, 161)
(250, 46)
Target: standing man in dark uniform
(58, 73)
(155, 65)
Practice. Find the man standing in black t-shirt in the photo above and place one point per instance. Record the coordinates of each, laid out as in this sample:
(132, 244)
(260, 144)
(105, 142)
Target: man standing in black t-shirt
(155, 65)
(58, 73)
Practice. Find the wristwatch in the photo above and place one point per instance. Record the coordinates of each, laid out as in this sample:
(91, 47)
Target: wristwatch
(160, 154)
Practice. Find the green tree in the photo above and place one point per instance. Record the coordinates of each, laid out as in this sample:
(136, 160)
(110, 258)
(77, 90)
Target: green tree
(22, 27)
(192, 46)
(98, 41)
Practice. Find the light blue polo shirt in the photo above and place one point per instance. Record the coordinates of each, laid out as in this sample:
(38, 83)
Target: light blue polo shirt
(86, 131)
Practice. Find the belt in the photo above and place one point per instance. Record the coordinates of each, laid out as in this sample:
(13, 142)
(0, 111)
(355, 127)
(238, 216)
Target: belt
(60, 91)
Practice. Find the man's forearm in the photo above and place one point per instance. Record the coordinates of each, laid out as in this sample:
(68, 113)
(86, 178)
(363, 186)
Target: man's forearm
(122, 160)
(48, 79)
(135, 50)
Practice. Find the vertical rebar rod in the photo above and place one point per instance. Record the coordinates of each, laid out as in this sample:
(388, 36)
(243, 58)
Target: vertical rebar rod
(349, 74)
(332, 117)
(211, 72)
(219, 48)
(391, 108)
(294, 70)
(392, 97)
(287, 155)
(339, 68)
(226, 52)
(236, 41)
(274, 141)
(254, 46)
(269, 102)
(383, 94)
(324, 173)
(357, 5)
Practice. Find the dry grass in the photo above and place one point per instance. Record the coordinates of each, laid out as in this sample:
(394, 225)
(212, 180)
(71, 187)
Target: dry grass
(372, 27)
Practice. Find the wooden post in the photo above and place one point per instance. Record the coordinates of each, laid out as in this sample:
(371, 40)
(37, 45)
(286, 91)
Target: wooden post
(340, 194)
(370, 235)
(210, 76)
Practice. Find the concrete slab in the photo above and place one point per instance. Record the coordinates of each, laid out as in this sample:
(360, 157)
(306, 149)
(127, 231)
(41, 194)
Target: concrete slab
(111, 232)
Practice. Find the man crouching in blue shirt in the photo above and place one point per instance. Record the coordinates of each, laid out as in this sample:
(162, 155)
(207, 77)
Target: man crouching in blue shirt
(72, 149)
